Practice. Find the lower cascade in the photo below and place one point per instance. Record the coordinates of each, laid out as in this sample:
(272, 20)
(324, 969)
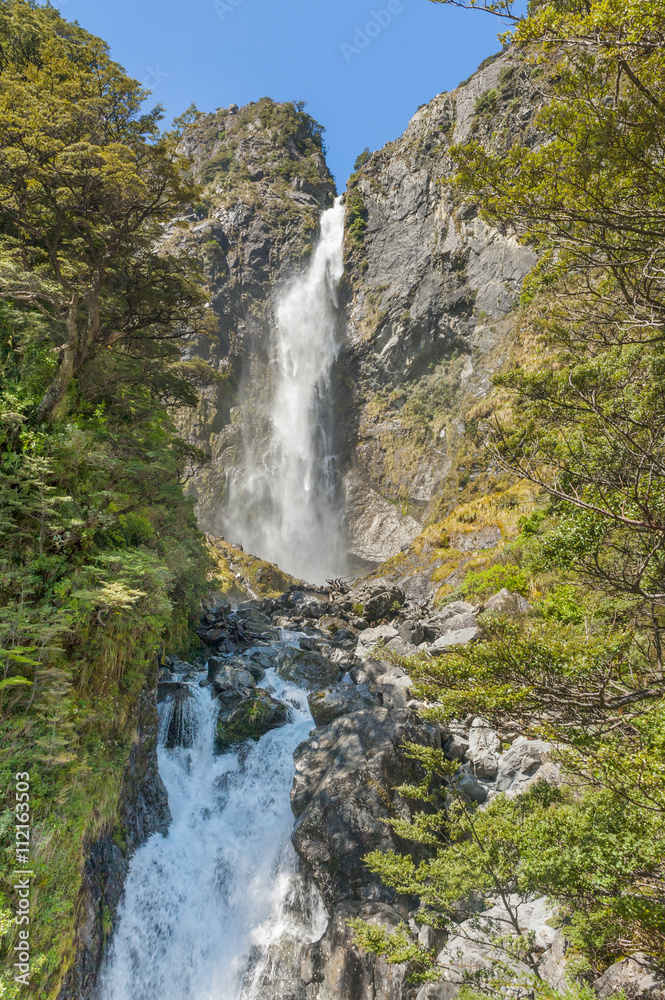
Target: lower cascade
(284, 506)
(214, 906)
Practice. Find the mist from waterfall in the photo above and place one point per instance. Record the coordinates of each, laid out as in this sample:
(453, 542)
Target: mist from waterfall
(284, 504)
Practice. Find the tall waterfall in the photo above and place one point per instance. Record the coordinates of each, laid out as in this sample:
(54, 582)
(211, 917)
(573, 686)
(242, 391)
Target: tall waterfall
(284, 507)
(212, 908)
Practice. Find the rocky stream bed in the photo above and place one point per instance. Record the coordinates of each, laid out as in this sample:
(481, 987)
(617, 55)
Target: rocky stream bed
(338, 651)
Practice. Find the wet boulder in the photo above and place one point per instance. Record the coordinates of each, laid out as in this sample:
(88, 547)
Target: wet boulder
(178, 715)
(251, 719)
(335, 967)
(331, 703)
(307, 669)
(343, 792)
(229, 682)
(376, 600)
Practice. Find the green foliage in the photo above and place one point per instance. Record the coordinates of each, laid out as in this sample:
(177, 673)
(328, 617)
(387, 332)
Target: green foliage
(592, 852)
(356, 219)
(362, 159)
(483, 583)
(86, 183)
(584, 669)
(101, 560)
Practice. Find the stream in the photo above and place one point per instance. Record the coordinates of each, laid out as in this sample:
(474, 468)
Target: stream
(209, 907)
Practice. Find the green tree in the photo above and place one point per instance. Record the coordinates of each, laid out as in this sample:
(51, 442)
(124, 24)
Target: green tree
(86, 183)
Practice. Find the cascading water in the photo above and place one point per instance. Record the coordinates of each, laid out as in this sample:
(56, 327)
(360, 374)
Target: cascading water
(208, 907)
(284, 505)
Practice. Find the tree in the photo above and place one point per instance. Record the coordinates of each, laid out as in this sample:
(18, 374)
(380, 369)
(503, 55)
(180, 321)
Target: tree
(590, 196)
(87, 182)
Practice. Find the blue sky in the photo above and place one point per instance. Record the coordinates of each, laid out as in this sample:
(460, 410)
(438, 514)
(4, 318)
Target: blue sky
(362, 66)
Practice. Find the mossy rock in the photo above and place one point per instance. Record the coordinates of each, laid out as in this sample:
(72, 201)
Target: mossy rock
(250, 720)
(308, 669)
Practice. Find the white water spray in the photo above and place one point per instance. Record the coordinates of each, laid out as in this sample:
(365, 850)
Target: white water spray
(284, 507)
(212, 906)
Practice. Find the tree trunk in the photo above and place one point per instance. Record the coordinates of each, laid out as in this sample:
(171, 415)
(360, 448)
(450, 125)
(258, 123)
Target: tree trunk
(56, 392)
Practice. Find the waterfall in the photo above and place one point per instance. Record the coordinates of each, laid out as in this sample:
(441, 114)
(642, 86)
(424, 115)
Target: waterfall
(283, 506)
(212, 908)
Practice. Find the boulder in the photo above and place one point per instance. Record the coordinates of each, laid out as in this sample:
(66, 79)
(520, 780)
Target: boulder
(483, 752)
(525, 762)
(342, 699)
(371, 637)
(439, 621)
(458, 638)
(230, 683)
(177, 666)
(344, 790)
(412, 632)
(379, 599)
(308, 604)
(508, 603)
(400, 647)
(476, 945)
(251, 719)
(335, 968)
(438, 991)
(455, 747)
(339, 628)
(633, 978)
(473, 789)
(394, 688)
(307, 669)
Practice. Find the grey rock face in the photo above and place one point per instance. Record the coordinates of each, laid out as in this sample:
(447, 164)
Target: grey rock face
(343, 790)
(523, 763)
(376, 529)
(509, 603)
(634, 978)
(309, 669)
(484, 745)
(336, 969)
(328, 705)
(474, 947)
(420, 284)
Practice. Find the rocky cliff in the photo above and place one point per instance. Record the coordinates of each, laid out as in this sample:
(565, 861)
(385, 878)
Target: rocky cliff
(427, 296)
(264, 185)
(428, 288)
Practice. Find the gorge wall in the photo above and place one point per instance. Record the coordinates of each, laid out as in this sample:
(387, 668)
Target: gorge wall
(426, 290)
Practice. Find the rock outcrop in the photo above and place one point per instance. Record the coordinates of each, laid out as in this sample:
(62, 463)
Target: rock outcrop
(428, 288)
(425, 299)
